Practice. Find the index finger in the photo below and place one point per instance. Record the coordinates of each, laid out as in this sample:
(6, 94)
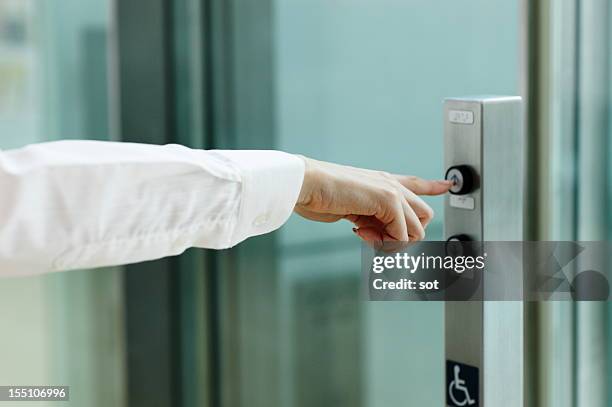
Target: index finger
(422, 186)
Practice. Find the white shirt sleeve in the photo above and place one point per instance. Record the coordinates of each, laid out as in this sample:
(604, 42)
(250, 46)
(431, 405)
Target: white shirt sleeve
(81, 204)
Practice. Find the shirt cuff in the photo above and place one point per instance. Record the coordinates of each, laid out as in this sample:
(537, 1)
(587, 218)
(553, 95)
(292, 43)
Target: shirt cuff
(271, 182)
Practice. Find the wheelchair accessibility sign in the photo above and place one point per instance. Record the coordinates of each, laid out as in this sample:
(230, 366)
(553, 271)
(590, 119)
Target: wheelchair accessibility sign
(461, 385)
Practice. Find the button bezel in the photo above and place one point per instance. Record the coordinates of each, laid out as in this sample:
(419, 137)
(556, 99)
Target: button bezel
(466, 179)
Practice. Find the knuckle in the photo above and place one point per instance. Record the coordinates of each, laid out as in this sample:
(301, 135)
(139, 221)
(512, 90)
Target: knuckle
(429, 213)
(389, 193)
(419, 234)
(396, 184)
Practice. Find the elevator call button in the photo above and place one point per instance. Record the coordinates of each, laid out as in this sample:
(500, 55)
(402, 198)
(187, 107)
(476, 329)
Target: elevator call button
(461, 176)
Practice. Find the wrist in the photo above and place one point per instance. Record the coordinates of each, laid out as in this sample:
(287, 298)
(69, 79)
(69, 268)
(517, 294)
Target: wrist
(305, 191)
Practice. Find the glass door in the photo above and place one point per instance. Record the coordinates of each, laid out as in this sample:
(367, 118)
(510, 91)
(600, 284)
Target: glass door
(358, 83)
(362, 84)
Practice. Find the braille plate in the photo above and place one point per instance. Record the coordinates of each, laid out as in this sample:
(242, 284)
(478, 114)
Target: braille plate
(463, 202)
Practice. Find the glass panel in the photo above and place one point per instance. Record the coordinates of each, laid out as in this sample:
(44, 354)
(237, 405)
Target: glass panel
(362, 83)
(609, 237)
(575, 334)
(63, 328)
(609, 230)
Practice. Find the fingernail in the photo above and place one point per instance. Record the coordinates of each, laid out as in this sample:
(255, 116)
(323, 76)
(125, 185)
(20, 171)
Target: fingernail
(445, 182)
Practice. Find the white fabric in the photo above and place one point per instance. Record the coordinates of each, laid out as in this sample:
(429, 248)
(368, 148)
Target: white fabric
(81, 204)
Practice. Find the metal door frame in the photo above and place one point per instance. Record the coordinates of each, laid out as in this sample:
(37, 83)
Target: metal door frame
(167, 312)
(566, 83)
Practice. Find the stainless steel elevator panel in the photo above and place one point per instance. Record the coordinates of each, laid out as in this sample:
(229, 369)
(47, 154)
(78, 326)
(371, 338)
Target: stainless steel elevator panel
(483, 141)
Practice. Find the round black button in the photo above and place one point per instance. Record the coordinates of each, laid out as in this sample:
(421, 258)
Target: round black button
(459, 238)
(455, 245)
(463, 180)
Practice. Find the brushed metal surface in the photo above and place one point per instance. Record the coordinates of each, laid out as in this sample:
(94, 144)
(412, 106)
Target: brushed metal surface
(488, 335)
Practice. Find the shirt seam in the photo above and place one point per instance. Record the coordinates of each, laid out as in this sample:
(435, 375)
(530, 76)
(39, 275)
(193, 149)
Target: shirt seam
(58, 263)
(195, 165)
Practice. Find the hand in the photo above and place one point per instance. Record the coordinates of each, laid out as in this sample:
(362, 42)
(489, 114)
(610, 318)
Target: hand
(383, 207)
